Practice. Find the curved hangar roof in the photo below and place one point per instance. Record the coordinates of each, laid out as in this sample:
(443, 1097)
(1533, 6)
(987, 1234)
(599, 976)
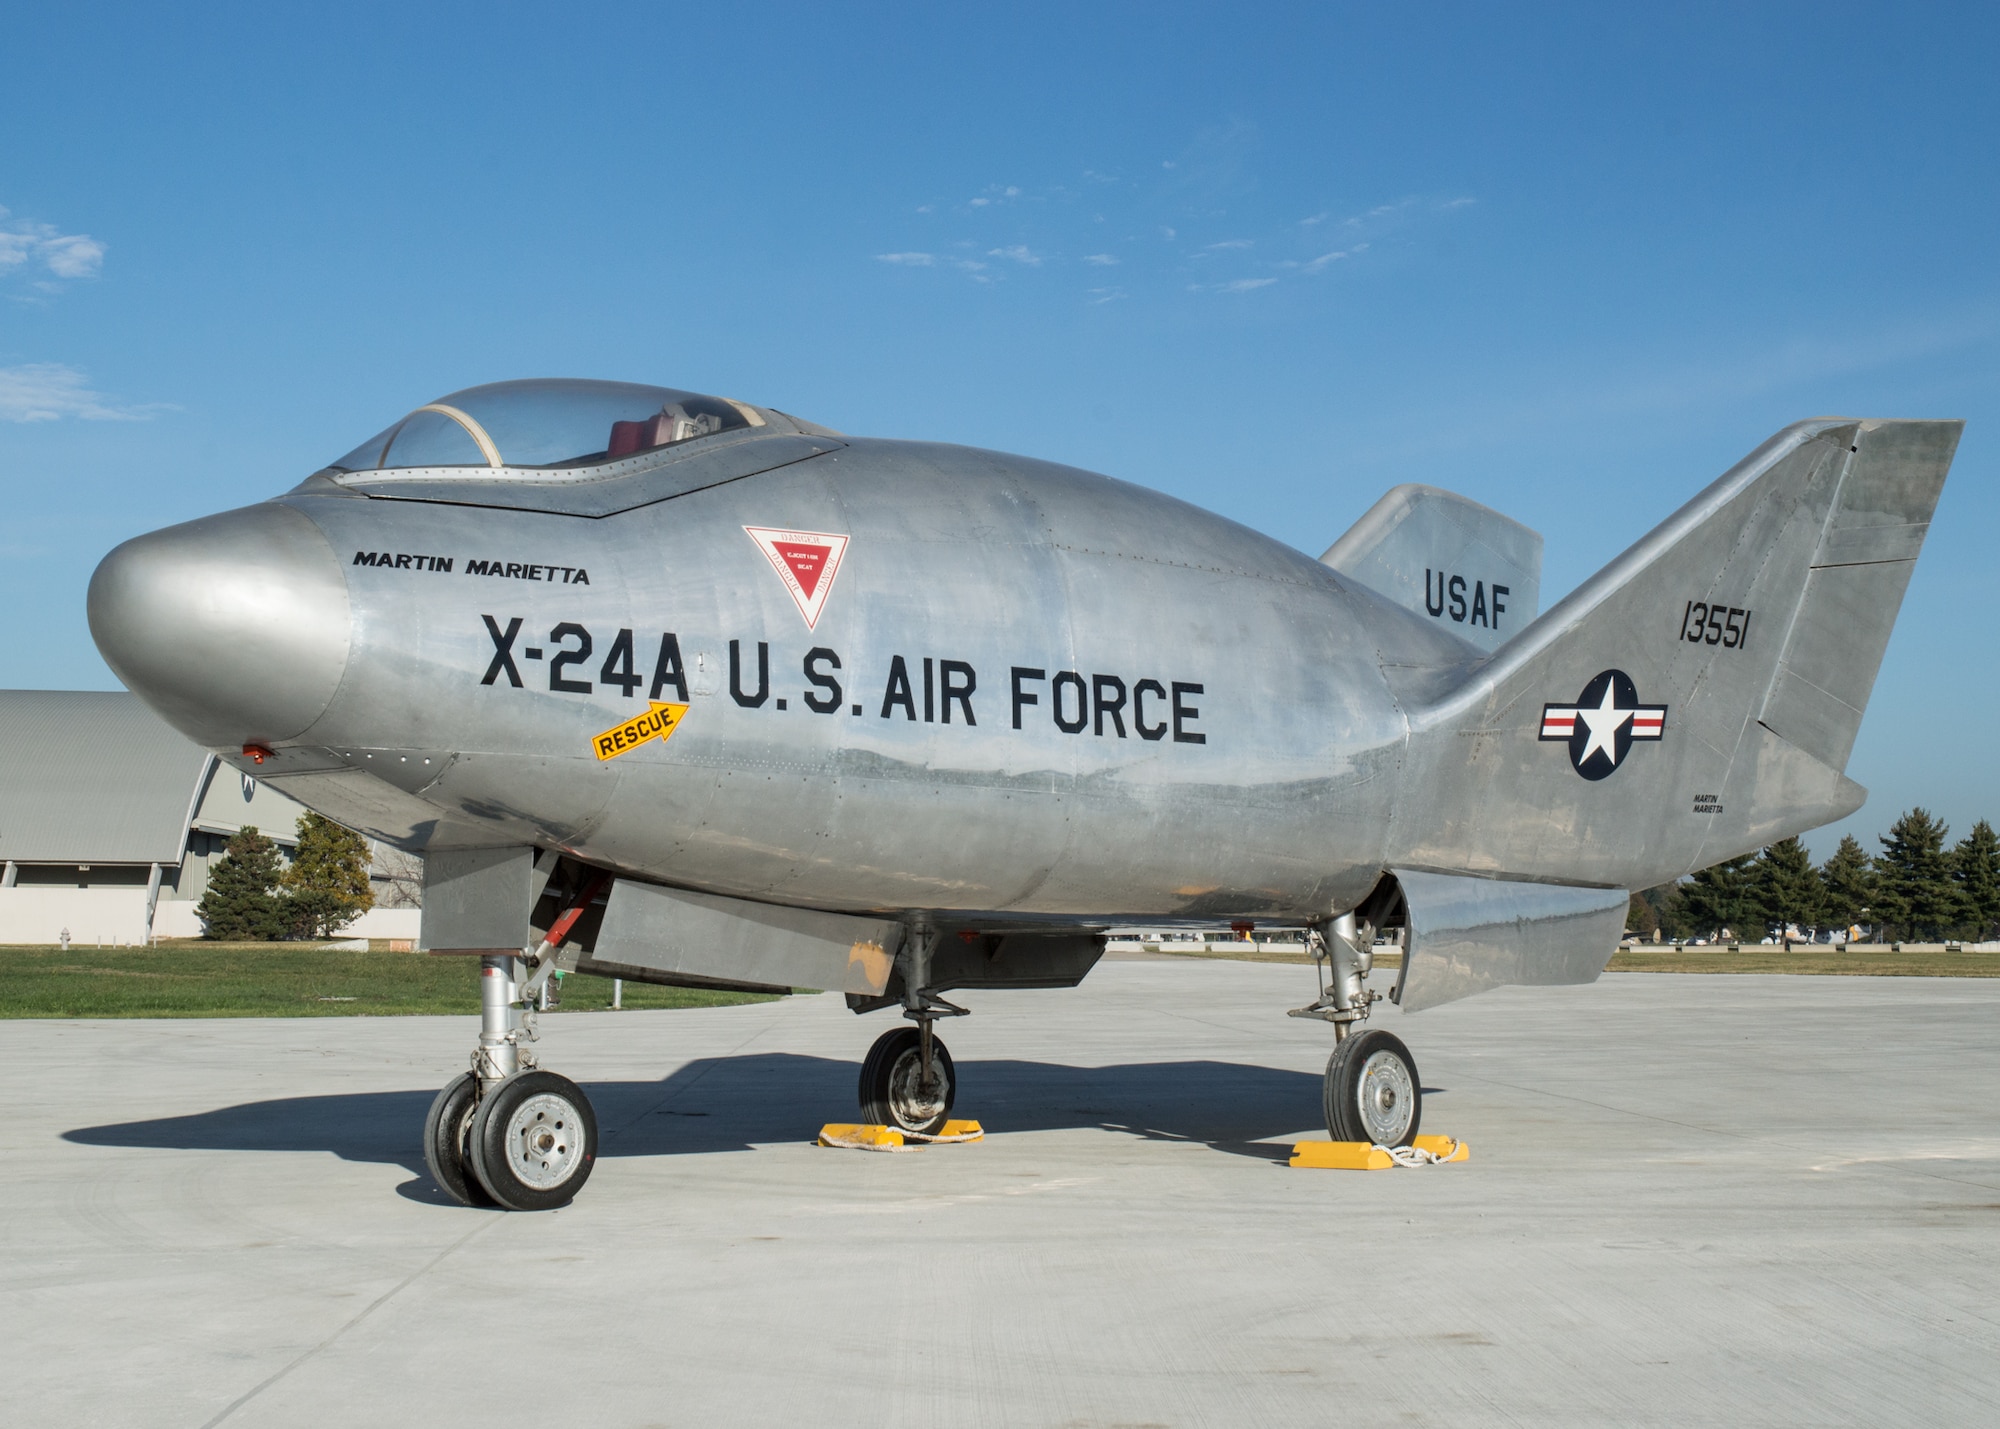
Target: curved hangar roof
(88, 776)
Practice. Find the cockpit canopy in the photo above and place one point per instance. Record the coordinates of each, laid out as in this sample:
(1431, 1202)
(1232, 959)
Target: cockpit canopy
(549, 422)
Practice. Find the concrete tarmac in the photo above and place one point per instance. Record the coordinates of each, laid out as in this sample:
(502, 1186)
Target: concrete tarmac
(1692, 1201)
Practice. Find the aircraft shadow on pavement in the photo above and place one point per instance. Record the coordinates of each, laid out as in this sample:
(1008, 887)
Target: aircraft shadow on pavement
(737, 1103)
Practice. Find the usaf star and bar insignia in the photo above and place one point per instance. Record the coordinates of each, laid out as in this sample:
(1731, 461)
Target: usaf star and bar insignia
(1602, 724)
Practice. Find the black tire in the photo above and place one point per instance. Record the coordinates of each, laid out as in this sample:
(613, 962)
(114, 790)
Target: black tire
(533, 1142)
(891, 1094)
(446, 1127)
(1372, 1091)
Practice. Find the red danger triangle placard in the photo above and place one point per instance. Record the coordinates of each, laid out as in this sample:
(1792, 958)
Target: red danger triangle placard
(806, 561)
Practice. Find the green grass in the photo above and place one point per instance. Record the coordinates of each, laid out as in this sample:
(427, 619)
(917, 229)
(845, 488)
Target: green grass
(277, 980)
(1868, 960)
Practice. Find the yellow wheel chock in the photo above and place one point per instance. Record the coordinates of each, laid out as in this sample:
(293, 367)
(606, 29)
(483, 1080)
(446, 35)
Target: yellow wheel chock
(1360, 1156)
(886, 1138)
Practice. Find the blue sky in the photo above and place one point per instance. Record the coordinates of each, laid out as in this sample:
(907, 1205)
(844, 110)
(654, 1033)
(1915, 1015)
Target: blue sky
(1572, 261)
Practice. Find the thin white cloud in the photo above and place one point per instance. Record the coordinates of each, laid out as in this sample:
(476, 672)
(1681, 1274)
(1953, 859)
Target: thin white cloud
(1019, 252)
(1231, 243)
(1379, 212)
(1453, 203)
(51, 391)
(1106, 295)
(73, 256)
(1102, 260)
(1244, 285)
(908, 260)
(26, 245)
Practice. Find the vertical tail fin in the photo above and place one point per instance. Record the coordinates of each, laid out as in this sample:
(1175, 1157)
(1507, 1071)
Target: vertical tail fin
(1476, 573)
(1699, 696)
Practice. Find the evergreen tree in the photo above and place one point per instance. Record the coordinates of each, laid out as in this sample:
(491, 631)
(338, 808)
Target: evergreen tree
(1913, 883)
(1722, 897)
(1788, 889)
(1847, 881)
(327, 885)
(1976, 869)
(1657, 908)
(1640, 919)
(239, 904)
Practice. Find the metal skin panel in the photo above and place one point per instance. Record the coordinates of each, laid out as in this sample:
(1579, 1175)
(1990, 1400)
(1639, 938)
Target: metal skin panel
(1466, 935)
(1324, 732)
(477, 899)
(668, 935)
(1474, 572)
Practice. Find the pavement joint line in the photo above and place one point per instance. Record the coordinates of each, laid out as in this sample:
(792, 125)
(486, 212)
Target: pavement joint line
(384, 1298)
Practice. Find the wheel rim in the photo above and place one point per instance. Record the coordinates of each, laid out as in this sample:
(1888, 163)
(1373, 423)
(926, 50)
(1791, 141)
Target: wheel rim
(545, 1141)
(910, 1102)
(1387, 1097)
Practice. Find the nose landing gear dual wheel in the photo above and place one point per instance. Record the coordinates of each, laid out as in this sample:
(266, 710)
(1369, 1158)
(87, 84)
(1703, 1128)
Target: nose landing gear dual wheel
(446, 1129)
(1372, 1092)
(533, 1141)
(894, 1091)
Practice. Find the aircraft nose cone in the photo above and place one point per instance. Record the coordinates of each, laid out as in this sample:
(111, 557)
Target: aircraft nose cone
(234, 627)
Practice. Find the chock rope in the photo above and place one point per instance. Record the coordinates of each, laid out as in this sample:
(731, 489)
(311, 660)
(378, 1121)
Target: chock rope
(1418, 1156)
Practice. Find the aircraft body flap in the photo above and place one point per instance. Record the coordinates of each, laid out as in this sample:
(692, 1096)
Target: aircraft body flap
(1475, 572)
(1466, 935)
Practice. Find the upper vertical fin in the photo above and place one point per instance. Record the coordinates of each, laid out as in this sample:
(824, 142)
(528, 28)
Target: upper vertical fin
(1476, 573)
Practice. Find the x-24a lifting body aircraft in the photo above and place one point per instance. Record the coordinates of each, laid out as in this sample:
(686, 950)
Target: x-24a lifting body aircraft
(684, 690)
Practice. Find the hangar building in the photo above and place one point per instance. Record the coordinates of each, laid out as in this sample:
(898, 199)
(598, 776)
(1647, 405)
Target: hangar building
(110, 820)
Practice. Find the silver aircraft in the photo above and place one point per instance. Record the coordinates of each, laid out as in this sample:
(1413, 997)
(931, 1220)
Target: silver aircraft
(680, 689)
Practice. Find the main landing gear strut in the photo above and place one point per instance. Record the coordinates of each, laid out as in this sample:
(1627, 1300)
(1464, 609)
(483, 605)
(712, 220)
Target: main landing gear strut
(907, 1079)
(507, 1133)
(1372, 1092)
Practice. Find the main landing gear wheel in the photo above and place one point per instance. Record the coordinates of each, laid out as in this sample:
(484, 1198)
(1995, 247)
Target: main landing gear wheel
(446, 1128)
(533, 1141)
(1372, 1091)
(892, 1083)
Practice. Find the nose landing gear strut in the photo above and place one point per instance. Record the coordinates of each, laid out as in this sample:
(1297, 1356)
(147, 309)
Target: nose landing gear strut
(507, 1133)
